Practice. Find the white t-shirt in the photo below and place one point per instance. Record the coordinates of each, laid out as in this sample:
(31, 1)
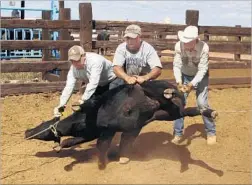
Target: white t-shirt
(97, 71)
(139, 63)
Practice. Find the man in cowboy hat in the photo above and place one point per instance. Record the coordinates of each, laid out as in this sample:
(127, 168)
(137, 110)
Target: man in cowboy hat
(190, 68)
(135, 61)
(95, 70)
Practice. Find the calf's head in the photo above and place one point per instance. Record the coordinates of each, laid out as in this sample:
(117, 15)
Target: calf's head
(44, 131)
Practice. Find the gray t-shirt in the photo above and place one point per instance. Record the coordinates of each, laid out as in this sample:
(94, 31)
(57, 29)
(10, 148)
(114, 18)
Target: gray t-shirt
(139, 63)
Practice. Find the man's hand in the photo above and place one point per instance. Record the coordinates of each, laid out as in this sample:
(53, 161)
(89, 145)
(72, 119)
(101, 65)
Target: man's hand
(188, 87)
(140, 79)
(131, 80)
(180, 87)
(57, 111)
(81, 102)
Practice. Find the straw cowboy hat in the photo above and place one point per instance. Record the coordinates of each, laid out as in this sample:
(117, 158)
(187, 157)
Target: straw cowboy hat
(189, 34)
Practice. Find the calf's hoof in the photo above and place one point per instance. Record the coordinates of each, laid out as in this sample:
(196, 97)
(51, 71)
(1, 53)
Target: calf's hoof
(209, 113)
(101, 166)
(124, 160)
(102, 163)
(214, 114)
(57, 148)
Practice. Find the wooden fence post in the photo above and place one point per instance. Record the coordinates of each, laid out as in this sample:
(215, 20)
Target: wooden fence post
(237, 56)
(22, 11)
(192, 17)
(206, 36)
(86, 17)
(61, 4)
(46, 15)
(64, 14)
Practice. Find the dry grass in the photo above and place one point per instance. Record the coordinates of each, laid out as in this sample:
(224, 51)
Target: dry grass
(22, 76)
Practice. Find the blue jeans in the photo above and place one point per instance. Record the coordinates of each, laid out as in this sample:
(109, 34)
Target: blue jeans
(202, 102)
(116, 82)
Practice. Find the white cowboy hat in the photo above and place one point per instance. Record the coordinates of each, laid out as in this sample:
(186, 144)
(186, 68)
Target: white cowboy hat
(189, 34)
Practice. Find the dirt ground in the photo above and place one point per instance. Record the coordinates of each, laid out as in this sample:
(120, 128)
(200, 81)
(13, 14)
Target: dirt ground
(155, 159)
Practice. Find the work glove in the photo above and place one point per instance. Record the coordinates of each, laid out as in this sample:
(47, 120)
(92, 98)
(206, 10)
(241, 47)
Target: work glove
(58, 111)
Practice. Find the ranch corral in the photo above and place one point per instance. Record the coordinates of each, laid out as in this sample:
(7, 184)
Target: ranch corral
(154, 159)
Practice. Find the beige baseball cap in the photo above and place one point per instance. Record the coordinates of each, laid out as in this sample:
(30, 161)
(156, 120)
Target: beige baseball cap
(75, 53)
(132, 31)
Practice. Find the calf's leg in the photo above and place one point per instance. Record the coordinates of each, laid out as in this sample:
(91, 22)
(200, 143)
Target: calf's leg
(103, 144)
(194, 111)
(126, 142)
(69, 142)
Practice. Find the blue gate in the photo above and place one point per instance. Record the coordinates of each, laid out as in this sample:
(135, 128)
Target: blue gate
(27, 34)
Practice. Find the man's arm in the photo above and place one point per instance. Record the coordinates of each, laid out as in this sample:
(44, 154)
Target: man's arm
(120, 73)
(68, 90)
(153, 74)
(202, 66)
(94, 79)
(154, 62)
(118, 62)
(177, 64)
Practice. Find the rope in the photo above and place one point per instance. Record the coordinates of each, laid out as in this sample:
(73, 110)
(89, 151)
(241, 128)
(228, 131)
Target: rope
(52, 128)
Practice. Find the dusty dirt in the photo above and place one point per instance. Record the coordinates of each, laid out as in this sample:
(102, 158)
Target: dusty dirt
(155, 159)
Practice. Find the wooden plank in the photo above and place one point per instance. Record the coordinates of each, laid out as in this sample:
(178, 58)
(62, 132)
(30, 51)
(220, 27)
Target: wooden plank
(225, 47)
(220, 87)
(42, 87)
(34, 87)
(224, 81)
(9, 18)
(172, 28)
(36, 44)
(145, 26)
(33, 66)
(217, 65)
(48, 24)
(225, 30)
(121, 25)
(192, 17)
(86, 17)
(230, 47)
